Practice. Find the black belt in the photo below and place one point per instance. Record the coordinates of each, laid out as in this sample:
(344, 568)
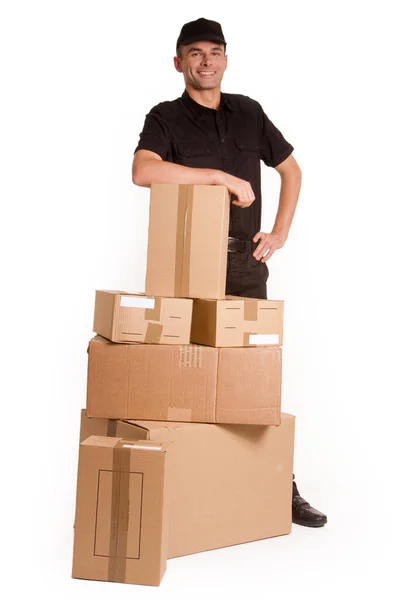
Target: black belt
(235, 245)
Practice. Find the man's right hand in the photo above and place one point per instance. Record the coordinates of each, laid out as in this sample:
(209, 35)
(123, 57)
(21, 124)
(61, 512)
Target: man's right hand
(148, 167)
(239, 187)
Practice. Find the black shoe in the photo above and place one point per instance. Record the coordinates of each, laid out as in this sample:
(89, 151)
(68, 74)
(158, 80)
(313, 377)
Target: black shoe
(303, 513)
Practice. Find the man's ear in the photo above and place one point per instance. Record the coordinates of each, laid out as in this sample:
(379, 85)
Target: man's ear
(177, 64)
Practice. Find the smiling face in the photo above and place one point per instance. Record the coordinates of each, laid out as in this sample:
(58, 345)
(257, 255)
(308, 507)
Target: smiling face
(202, 64)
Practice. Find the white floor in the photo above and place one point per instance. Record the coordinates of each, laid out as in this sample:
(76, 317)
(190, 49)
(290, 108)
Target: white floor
(353, 556)
(334, 562)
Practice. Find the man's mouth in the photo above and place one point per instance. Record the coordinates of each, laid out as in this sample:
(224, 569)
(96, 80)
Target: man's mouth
(207, 73)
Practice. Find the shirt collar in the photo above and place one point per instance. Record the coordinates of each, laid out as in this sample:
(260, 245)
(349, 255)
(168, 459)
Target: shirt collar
(198, 110)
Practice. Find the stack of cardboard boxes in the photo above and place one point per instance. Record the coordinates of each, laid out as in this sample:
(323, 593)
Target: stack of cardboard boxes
(183, 445)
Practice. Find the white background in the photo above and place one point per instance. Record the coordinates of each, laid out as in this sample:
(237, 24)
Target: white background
(77, 79)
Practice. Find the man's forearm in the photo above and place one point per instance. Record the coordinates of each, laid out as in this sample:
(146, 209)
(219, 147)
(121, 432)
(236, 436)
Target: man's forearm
(289, 194)
(161, 171)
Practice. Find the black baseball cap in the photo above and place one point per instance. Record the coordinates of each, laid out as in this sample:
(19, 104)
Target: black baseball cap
(201, 29)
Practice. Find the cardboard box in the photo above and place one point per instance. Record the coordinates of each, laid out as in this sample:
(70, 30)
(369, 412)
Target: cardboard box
(184, 383)
(237, 321)
(231, 483)
(124, 317)
(121, 525)
(188, 239)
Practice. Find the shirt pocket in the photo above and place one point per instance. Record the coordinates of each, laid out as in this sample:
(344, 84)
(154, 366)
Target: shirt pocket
(190, 149)
(248, 146)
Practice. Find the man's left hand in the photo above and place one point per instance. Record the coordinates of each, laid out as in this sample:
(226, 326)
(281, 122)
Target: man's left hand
(268, 244)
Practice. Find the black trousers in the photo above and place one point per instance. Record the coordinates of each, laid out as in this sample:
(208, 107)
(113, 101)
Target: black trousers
(246, 276)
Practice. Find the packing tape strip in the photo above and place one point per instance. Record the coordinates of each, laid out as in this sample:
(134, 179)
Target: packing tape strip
(251, 310)
(119, 513)
(245, 339)
(186, 261)
(153, 314)
(153, 333)
(180, 238)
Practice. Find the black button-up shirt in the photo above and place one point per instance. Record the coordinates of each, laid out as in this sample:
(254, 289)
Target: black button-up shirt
(234, 139)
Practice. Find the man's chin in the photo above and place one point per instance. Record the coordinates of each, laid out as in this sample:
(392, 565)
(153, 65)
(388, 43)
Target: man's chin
(206, 85)
(210, 86)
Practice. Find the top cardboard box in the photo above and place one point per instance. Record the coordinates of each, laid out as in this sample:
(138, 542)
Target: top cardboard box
(187, 242)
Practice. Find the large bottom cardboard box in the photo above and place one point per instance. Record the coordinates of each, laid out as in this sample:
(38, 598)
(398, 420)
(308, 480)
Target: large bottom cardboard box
(122, 511)
(230, 484)
(184, 383)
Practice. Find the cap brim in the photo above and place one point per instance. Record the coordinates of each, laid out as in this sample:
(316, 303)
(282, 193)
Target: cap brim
(200, 38)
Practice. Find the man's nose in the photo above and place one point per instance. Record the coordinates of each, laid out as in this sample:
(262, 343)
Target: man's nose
(206, 61)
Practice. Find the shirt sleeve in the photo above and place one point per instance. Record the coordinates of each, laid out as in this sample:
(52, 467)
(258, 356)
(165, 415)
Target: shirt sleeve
(155, 135)
(274, 148)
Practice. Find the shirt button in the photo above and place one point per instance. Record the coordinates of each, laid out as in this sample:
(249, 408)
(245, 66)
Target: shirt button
(223, 139)
(208, 151)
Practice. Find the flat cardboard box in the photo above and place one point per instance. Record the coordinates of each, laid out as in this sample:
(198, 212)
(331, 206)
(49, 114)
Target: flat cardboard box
(237, 321)
(122, 512)
(187, 241)
(231, 483)
(184, 383)
(124, 317)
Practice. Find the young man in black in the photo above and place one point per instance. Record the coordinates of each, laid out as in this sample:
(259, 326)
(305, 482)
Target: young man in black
(207, 137)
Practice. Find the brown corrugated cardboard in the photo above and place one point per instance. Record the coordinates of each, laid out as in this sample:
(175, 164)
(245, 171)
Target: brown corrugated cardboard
(231, 483)
(237, 321)
(121, 525)
(184, 383)
(187, 241)
(124, 317)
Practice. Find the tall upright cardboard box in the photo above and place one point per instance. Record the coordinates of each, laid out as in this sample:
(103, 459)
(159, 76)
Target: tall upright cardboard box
(121, 525)
(187, 242)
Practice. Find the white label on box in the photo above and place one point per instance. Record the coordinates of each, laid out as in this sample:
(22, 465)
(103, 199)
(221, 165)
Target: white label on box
(264, 338)
(138, 447)
(135, 302)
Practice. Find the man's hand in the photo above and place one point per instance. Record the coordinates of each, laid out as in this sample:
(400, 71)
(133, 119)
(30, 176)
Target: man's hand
(240, 188)
(268, 244)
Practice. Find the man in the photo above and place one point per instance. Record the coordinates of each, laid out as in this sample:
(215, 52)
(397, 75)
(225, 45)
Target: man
(207, 137)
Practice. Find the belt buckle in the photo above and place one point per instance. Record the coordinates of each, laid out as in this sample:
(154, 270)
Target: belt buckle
(237, 244)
